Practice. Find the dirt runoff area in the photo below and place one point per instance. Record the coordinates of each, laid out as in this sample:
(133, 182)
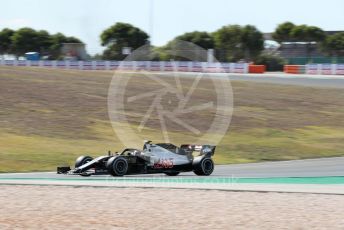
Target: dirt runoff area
(62, 207)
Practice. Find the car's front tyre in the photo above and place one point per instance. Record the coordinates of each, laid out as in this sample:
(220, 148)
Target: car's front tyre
(82, 160)
(117, 166)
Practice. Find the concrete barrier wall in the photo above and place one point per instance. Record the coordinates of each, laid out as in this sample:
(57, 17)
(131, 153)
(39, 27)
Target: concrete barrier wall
(256, 68)
(181, 66)
(328, 69)
(295, 69)
(318, 69)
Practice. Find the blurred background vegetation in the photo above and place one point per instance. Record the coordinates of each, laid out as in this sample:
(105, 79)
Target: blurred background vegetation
(230, 43)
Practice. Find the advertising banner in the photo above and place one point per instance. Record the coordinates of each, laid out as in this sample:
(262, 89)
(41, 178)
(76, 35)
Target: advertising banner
(182, 66)
(339, 69)
(326, 69)
(312, 69)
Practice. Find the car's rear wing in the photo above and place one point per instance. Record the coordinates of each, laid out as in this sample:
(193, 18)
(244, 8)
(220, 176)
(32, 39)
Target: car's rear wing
(202, 149)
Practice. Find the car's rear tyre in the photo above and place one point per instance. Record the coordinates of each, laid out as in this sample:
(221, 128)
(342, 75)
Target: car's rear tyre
(82, 160)
(171, 173)
(117, 166)
(203, 166)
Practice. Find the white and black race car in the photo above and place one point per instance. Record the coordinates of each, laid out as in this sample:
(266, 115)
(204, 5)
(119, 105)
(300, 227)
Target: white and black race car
(154, 158)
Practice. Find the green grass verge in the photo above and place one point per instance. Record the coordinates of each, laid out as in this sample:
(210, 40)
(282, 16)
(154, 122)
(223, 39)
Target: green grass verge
(48, 118)
(37, 153)
(272, 144)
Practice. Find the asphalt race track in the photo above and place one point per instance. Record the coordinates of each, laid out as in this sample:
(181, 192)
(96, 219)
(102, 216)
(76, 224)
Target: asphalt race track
(326, 81)
(322, 167)
(318, 176)
(298, 80)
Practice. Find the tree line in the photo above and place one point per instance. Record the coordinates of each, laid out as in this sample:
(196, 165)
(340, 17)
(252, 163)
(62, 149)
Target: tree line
(231, 42)
(330, 44)
(23, 40)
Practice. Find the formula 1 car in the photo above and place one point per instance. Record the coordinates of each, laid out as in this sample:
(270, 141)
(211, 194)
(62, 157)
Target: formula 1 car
(154, 158)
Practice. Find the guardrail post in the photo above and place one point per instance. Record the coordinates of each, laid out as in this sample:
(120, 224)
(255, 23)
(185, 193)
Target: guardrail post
(319, 69)
(333, 69)
(245, 68)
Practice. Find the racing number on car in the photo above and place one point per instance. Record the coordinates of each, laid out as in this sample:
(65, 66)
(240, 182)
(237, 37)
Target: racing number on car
(163, 163)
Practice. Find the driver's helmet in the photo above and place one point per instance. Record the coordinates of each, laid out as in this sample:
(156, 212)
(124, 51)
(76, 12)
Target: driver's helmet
(136, 153)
